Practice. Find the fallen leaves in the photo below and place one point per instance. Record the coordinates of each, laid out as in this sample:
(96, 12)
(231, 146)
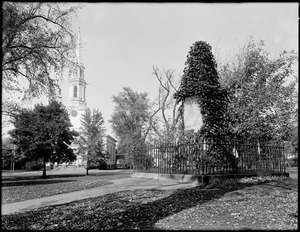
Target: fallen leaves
(255, 207)
(245, 204)
(19, 191)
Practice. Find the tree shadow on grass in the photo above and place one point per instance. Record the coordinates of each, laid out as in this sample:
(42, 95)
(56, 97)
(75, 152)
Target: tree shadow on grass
(51, 179)
(34, 177)
(110, 174)
(105, 174)
(145, 216)
(33, 182)
(289, 184)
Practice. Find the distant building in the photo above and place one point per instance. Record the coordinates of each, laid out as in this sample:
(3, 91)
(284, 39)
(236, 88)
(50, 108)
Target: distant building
(110, 147)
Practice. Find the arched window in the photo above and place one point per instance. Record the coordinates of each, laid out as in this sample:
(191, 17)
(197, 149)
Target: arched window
(75, 91)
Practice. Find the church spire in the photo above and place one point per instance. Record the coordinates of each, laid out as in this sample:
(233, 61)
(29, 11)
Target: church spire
(77, 86)
(78, 49)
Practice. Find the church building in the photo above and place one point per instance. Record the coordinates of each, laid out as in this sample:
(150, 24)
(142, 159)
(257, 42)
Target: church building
(77, 106)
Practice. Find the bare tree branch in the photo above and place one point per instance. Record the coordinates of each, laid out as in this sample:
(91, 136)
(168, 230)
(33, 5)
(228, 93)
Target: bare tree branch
(165, 103)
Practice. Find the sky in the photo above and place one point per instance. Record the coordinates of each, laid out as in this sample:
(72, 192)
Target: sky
(122, 41)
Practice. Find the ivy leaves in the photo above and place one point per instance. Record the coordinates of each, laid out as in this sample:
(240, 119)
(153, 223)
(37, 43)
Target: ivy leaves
(201, 80)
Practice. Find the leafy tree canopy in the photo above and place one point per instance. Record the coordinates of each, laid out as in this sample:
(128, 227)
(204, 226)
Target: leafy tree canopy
(91, 138)
(130, 119)
(262, 105)
(37, 42)
(44, 133)
(131, 112)
(294, 140)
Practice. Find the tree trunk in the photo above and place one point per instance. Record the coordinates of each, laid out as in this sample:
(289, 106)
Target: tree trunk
(44, 168)
(87, 166)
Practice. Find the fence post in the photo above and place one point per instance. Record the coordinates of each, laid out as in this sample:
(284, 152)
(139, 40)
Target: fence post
(148, 158)
(167, 145)
(168, 158)
(158, 162)
(158, 158)
(274, 160)
(189, 159)
(278, 158)
(172, 155)
(283, 157)
(192, 158)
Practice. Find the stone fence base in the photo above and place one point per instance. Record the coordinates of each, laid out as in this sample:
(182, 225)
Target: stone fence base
(200, 179)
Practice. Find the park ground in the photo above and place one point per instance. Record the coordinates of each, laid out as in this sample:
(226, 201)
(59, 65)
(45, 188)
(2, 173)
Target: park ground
(248, 203)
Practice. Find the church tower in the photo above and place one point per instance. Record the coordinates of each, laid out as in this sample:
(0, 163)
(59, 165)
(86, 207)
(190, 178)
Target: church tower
(77, 87)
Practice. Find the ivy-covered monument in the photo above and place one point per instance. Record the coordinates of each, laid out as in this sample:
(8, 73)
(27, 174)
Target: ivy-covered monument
(207, 147)
(200, 87)
(205, 105)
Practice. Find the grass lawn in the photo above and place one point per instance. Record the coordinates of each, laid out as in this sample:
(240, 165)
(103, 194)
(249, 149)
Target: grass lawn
(32, 186)
(248, 203)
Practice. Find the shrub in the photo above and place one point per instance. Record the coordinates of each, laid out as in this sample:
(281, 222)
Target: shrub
(33, 166)
(102, 165)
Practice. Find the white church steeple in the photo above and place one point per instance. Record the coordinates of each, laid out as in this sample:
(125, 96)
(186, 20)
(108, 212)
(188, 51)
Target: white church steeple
(79, 49)
(77, 87)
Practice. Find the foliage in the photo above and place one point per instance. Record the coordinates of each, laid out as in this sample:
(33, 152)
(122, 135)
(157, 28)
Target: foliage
(44, 133)
(34, 166)
(37, 42)
(262, 105)
(141, 158)
(135, 150)
(292, 162)
(90, 140)
(130, 120)
(201, 81)
(10, 109)
(7, 145)
(8, 155)
(294, 140)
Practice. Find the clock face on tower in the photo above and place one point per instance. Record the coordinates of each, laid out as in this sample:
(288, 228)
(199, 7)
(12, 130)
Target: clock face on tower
(74, 113)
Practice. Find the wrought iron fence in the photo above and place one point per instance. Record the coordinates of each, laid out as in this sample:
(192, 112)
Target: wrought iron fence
(204, 158)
